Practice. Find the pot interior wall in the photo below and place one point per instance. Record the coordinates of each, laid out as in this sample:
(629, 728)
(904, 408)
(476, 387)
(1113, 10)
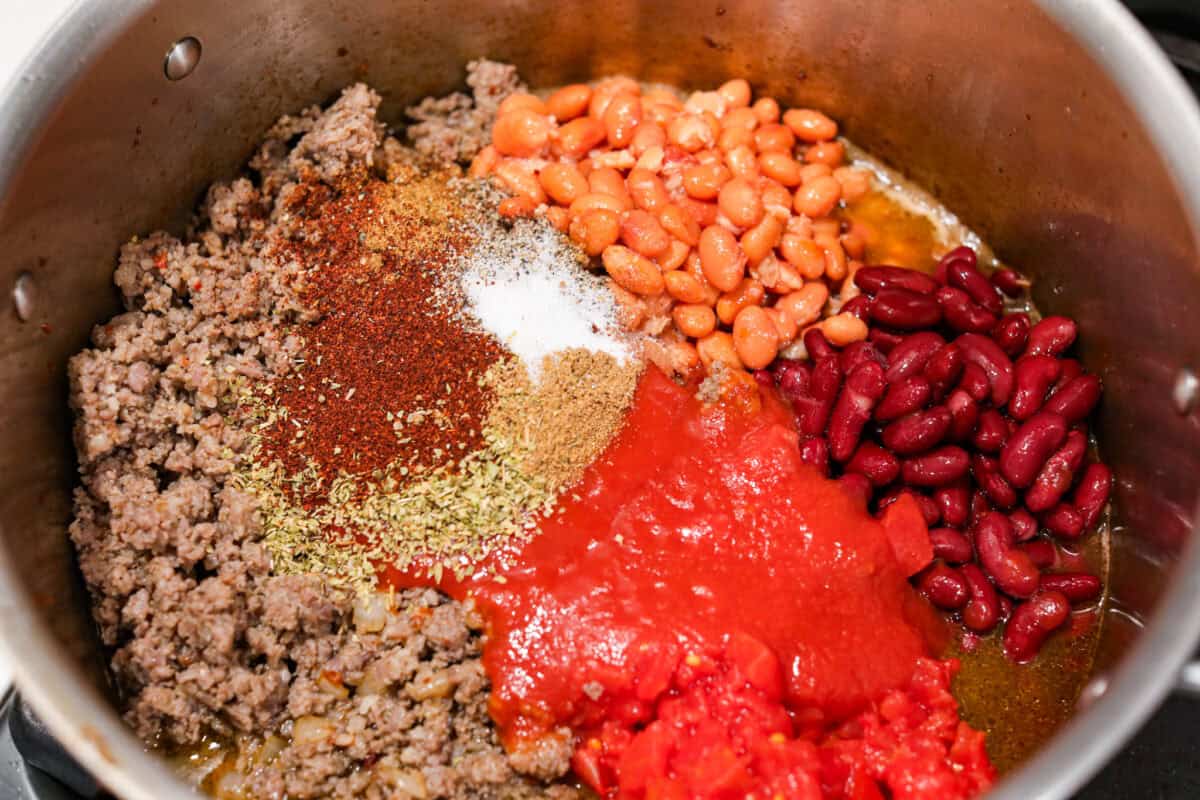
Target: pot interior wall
(989, 105)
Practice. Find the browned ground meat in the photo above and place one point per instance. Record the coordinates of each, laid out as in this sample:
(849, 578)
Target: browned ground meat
(206, 641)
(456, 127)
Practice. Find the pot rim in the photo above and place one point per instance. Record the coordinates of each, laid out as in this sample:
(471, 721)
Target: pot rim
(111, 752)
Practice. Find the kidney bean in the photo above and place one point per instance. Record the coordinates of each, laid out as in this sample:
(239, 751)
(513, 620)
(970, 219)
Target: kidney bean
(878, 465)
(961, 253)
(963, 314)
(909, 357)
(903, 397)
(1012, 333)
(954, 503)
(964, 414)
(974, 382)
(1010, 282)
(1058, 473)
(874, 279)
(936, 468)
(1006, 608)
(980, 507)
(1078, 587)
(1011, 569)
(817, 345)
(1063, 521)
(1071, 369)
(944, 587)
(1032, 378)
(792, 376)
(862, 389)
(1052, 336)
(857, 353)
(815, 451)
(986, 472)
(929, 509)
(966, 277)
(1076, 400)
(1091, 494)
(984, 352)
(918, 431)
(1025, 527)
(812, 412)
(1041, 552)
(950, 545)
(1032, 622)
(1026, 450)
(884, 340)
(858, 487)
(982, 611)
(859, 306)
(905, 310)
(991, 431)
(944, 367)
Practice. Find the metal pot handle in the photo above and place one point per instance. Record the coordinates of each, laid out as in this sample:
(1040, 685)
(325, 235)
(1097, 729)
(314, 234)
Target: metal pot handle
(1188, 682)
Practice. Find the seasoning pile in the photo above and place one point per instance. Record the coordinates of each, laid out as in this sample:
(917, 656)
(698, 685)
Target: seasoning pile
(460, 375)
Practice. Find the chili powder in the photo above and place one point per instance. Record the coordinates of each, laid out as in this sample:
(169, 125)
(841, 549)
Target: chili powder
(390, 374)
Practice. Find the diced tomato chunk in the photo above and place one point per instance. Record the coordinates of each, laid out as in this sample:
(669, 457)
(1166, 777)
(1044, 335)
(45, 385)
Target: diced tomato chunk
(908, 534)
(758, 665)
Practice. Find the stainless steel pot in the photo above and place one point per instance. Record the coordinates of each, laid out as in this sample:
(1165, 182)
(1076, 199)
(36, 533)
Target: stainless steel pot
(1054, 127)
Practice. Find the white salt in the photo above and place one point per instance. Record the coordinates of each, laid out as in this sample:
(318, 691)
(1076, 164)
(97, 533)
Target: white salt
(526, 287)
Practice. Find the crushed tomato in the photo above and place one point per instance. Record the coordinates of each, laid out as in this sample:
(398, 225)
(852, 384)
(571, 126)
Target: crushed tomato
(713, 618)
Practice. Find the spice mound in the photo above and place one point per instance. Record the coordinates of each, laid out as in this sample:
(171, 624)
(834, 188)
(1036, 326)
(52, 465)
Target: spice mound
(433, 412)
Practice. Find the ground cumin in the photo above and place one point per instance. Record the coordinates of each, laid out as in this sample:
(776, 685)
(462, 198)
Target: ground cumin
(561, 424)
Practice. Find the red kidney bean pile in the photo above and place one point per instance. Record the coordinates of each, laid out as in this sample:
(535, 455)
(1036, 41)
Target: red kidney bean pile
(980, 415)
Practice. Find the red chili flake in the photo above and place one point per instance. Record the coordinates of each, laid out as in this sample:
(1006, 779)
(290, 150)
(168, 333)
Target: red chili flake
(160, 260)
(46, 328)
(196, 286)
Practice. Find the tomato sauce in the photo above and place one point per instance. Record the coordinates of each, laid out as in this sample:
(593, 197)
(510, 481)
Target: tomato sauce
(711, 617)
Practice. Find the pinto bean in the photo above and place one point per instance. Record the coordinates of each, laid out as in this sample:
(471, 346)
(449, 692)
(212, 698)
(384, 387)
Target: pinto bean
(631, 271)
(569, 102)
(721, 258)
